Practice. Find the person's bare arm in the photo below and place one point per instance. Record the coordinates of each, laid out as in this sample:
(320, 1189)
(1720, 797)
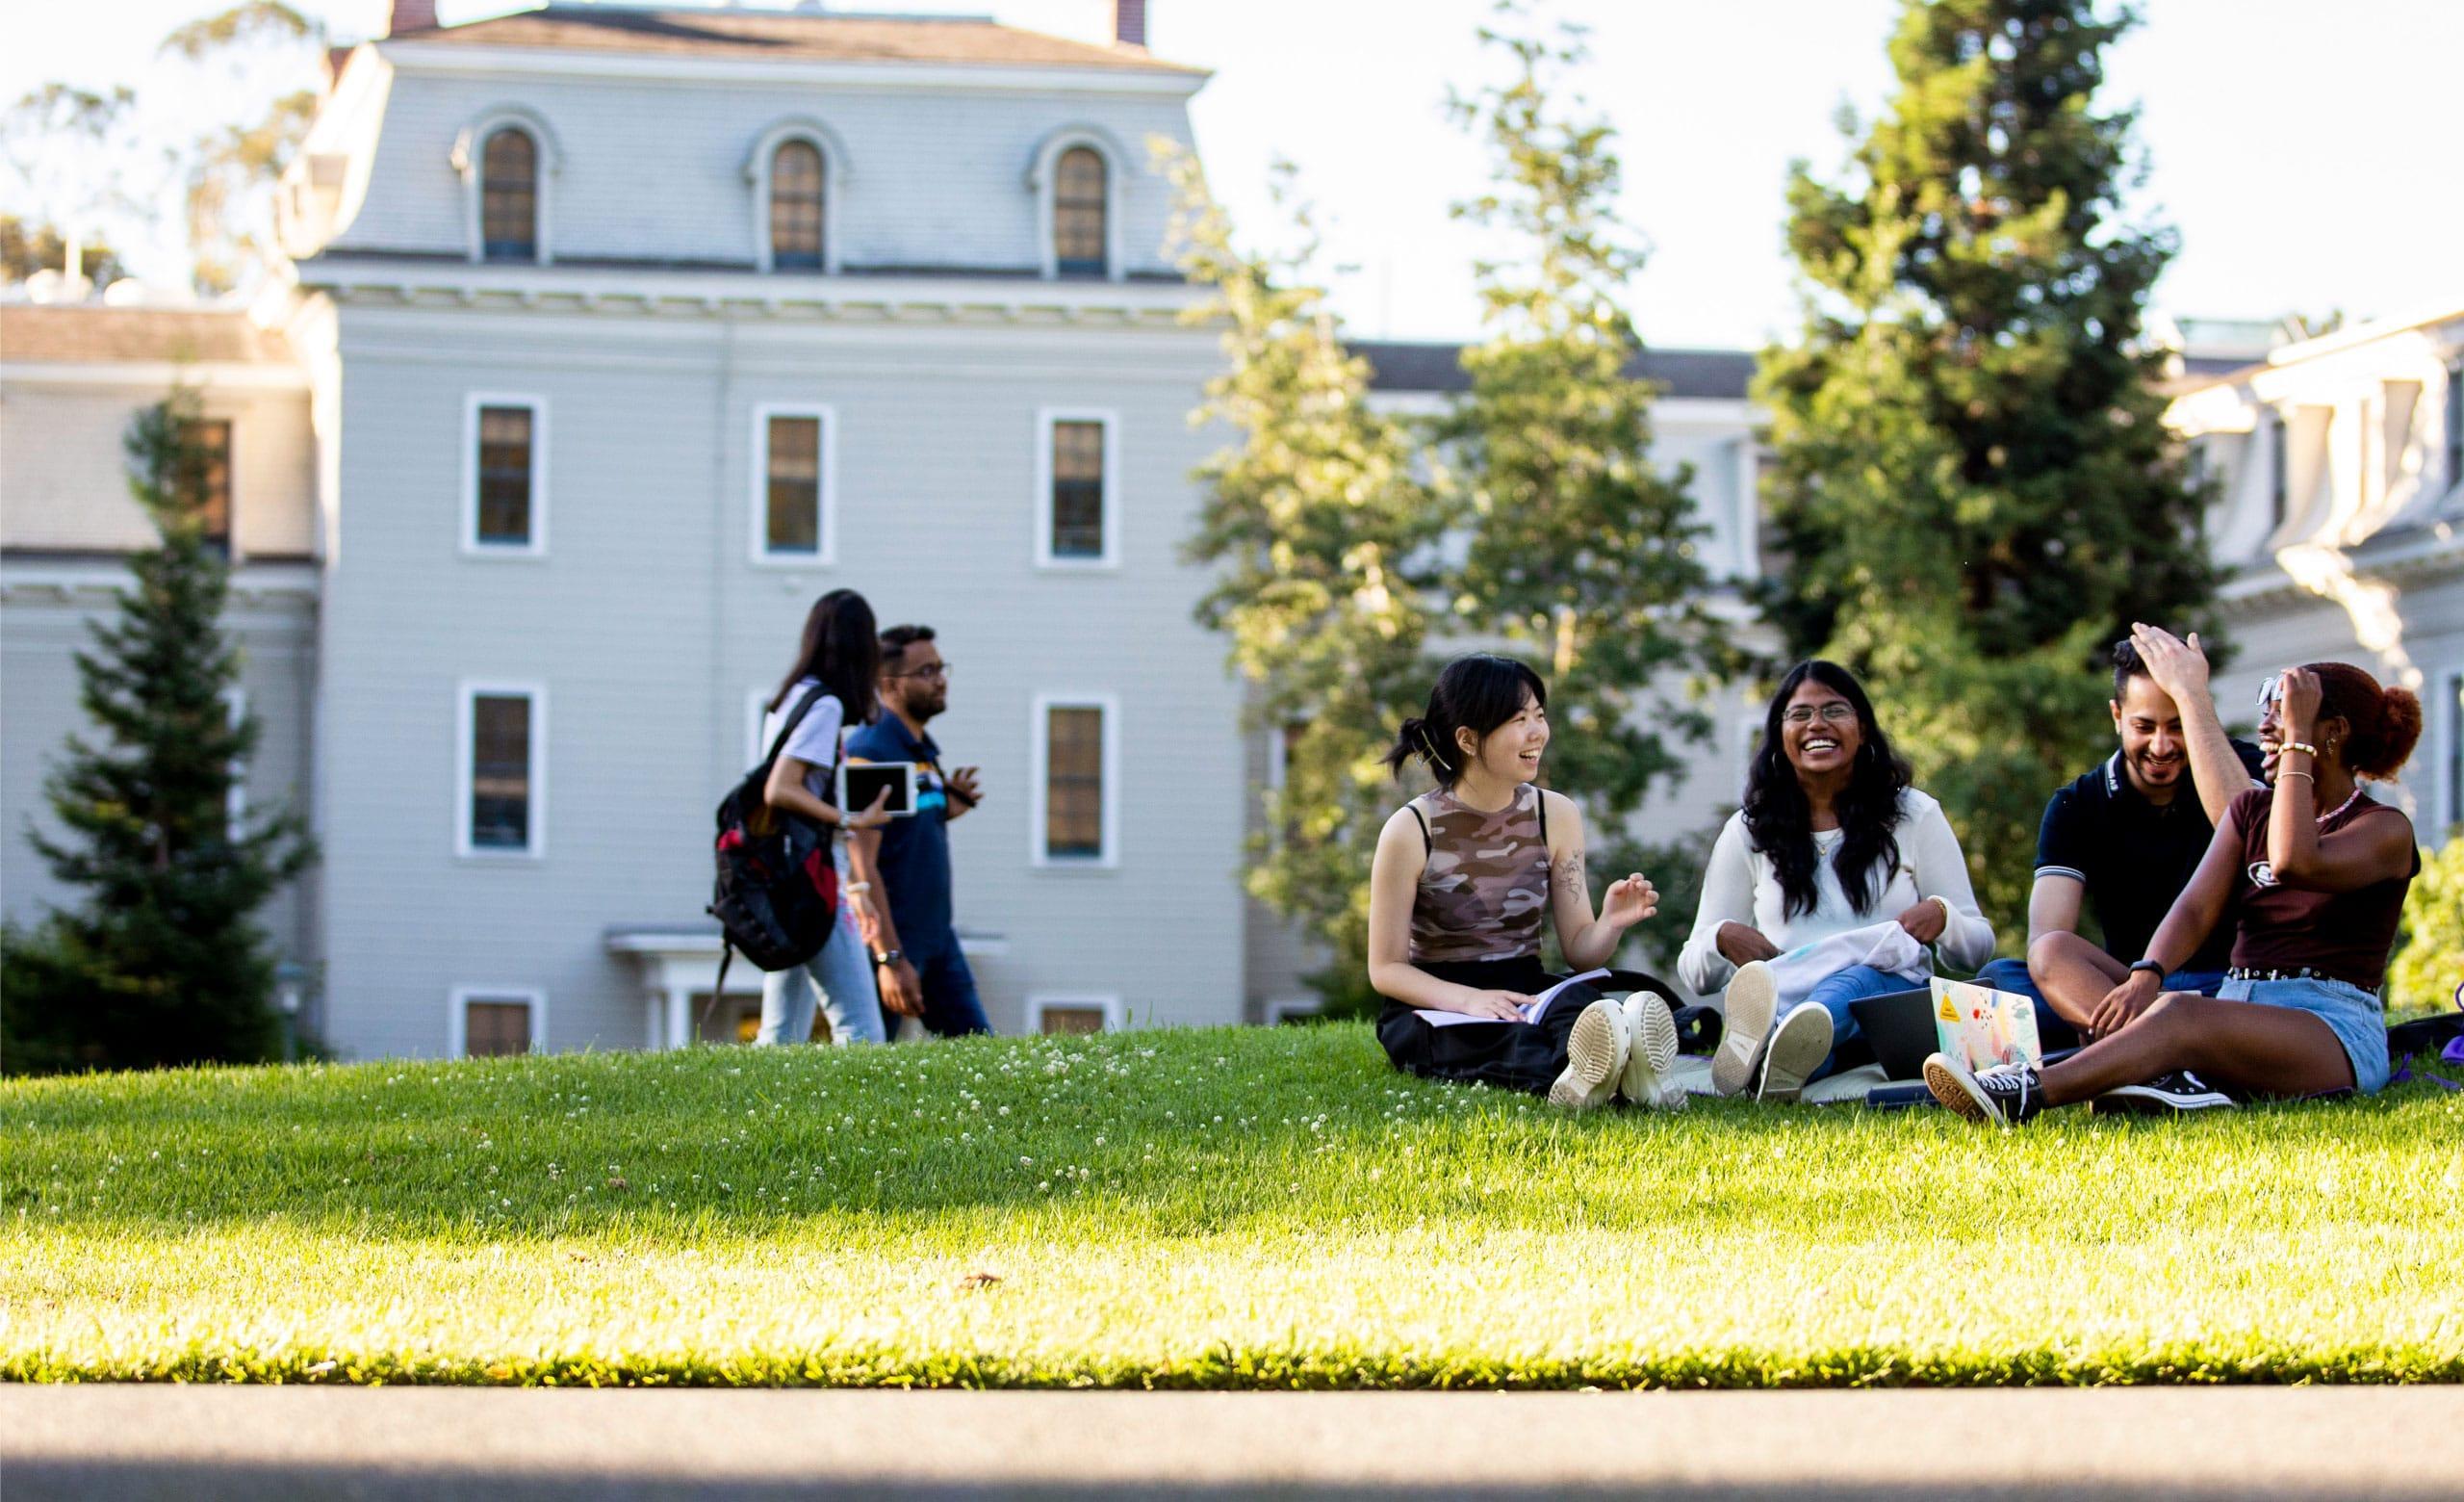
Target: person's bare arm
(1590, 940)
(785, 790)
(2053, 906)
(2358, 855)
(1393, 876)
(2180, 668)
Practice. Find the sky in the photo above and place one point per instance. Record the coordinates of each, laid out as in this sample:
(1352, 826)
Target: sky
(2306, 151)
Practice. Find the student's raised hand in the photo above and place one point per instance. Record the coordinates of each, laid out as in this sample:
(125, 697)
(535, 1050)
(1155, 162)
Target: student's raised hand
(1504, 1007)
(876, 812)
(962, 786)
(2179, 667)
(1629, 902)
(2123, 1003)
(2298, 703)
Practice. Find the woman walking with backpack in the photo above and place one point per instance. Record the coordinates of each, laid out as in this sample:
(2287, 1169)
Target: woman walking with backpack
(840, 655)
(1463, 876)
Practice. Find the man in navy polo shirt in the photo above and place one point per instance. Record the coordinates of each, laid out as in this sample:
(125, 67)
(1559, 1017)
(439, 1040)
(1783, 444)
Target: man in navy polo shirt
(2127, 837)
(916, 958)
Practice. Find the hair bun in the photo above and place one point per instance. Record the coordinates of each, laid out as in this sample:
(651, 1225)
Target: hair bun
(2400, 729)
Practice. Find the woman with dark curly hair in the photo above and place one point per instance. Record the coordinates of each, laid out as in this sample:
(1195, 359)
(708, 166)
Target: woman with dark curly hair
(2314, 899)
(1831, 839)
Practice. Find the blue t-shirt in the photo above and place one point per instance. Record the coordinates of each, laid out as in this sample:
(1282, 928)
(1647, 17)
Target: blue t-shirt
(914, 856)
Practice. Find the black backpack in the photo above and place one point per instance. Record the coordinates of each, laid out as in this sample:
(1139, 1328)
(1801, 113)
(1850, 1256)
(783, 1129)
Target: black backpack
(776, 898)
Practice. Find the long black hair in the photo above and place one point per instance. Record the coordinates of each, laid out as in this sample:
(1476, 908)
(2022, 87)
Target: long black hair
(843, 649)
(1477, 692)
(1781, 820)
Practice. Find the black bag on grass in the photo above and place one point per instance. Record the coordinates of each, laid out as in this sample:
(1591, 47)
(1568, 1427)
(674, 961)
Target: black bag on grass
(776, 898)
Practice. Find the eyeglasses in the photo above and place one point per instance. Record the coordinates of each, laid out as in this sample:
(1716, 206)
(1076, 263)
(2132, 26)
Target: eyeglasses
(1835, 713)
(935, 670)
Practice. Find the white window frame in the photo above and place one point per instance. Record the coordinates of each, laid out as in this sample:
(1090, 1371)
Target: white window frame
(1039, 759)
(758, 486)
(235, 803)
(471, 545)
(470, 147)
(1040, 1002)
(757, 166)
(757, 709)
(1046, 420)
(1042, 174)
(457, 1015)
(467, 691)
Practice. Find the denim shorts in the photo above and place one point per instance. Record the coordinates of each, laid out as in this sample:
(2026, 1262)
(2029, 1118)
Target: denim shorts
(2357, 1018)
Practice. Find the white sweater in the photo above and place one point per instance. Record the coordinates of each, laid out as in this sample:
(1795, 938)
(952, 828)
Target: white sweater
(1741, 886)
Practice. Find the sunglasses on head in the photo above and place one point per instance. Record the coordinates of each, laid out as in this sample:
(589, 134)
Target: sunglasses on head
(2271, 690)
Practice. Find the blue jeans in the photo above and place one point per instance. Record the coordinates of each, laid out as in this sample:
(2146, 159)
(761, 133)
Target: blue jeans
(840, 978)
(2054, 1031)
(1835, 990)
(951, 1008)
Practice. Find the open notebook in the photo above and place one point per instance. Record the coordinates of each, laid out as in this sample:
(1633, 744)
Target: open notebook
(1531, 1010)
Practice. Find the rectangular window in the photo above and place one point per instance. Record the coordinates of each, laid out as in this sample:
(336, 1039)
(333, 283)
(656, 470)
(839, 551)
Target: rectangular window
(1075, 816)
(504, 477)
(206, 478)
(1062, 1015)
(503, 805)
(1077, 521)
(495, 1021)
(792, 464)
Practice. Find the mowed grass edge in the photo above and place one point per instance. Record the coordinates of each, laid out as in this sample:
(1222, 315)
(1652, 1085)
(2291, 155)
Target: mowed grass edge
(1215, 1208)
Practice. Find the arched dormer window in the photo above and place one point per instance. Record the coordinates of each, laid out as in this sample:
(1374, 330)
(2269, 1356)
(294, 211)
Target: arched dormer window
(506, 159)
(796, 222)
(1077, 178)
(797, 169)
(509, 195)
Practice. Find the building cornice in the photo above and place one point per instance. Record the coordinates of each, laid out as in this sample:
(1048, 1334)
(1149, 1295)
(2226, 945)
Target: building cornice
(874, 297)
(154, 374)
(2437, 554)
(445, 58)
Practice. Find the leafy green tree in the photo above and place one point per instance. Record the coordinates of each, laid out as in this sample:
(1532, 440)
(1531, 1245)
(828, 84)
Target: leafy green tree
(1580, 552)
(232, 168)
(2428, 972)
(162, 962)
(1973, 483)
(26, 249)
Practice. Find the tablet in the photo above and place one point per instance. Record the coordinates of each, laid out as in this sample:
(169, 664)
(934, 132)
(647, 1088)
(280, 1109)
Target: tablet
(861, 782)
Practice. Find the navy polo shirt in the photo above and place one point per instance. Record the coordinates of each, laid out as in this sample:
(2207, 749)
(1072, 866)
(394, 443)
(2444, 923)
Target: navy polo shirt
(2133, 856)
(914, 858)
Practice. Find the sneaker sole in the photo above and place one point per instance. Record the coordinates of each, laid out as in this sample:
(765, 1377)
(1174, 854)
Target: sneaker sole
(1956, 1095)
(1650, 1053)
(1595, 1052)
(1753, 1002)
(1794, 1054)
(2128, 1102)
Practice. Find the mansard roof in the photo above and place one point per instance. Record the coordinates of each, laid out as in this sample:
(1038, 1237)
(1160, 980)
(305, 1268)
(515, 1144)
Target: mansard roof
(91, 333)
(788, 36)
(1717, 374)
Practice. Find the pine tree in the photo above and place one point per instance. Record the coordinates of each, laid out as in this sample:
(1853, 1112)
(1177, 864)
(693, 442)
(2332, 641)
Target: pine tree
(1323, 532)
(1580, 552)
(162, 962)
(1974, 486)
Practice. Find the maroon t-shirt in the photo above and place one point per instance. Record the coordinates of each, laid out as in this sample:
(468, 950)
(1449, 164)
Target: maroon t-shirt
(2343, 934)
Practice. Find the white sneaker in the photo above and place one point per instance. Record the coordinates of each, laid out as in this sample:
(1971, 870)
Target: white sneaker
(1595, 1056)
(1753, 1001)
(1650, 1077)
(1798, 1047)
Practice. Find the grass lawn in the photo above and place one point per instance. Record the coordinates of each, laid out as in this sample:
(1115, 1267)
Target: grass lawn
(1234, 1208)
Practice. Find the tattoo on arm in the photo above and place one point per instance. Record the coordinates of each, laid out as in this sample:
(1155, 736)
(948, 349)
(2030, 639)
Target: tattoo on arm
(1566, 874)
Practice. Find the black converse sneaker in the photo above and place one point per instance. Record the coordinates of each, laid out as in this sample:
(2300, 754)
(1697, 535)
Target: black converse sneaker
(2007, 1094)
(2172, 1093)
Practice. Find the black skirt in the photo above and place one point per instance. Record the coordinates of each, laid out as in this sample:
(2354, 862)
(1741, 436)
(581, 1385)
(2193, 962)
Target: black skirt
(1526, 1057)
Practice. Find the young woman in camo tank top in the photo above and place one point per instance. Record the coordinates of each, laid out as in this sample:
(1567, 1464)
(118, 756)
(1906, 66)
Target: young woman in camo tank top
(1464, 876)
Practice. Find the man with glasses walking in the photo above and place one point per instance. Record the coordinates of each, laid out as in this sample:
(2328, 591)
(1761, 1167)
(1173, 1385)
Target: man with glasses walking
(906, 863)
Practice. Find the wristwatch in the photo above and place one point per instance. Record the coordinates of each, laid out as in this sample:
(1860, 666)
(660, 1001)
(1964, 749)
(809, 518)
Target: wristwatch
(2152, 966)
(886, 957)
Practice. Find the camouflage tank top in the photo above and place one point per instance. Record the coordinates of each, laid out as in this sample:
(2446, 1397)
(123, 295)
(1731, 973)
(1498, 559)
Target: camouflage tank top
(1486, 883)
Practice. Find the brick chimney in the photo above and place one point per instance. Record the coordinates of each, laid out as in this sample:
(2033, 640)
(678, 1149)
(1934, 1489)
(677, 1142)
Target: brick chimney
(412, 15)
(1129, 23)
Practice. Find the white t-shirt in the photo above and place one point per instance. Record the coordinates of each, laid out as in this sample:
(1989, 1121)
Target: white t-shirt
(1742, 886)
(815, 742)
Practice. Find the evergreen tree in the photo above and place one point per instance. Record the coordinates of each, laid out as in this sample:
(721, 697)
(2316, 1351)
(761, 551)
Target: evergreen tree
(1323, 532)
(1974, 486)
(162, 962)
(1580, 552)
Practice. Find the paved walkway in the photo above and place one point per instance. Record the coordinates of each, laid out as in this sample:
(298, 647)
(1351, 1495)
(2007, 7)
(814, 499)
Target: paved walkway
(2166, 1444)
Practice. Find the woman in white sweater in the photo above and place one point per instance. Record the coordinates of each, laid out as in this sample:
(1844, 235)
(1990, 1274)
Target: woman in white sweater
(1831, 839)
